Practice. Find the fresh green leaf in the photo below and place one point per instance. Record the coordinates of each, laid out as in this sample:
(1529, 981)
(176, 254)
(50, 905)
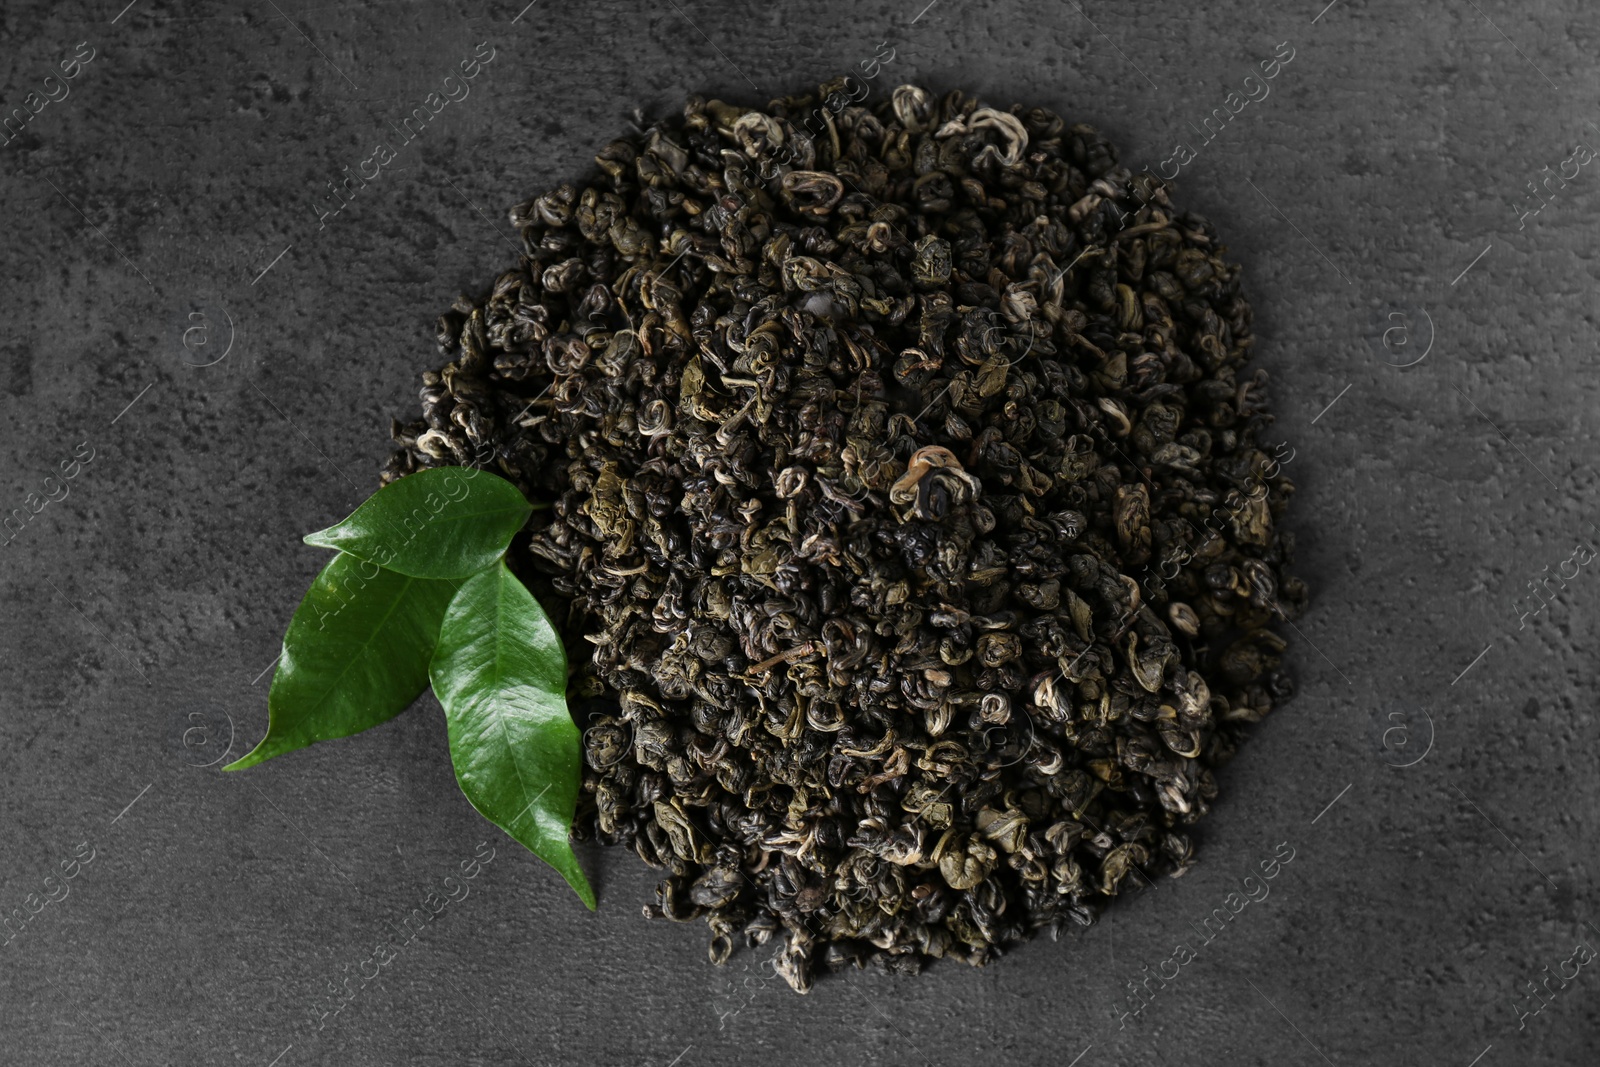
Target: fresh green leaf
(444, 522)
(356, 654)
(501, 674)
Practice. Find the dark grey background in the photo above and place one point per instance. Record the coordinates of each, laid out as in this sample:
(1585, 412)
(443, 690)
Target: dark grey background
(179, 176)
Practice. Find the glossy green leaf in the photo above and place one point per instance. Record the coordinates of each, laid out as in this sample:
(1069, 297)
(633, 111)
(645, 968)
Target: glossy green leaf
(501, 674)
(445, 522)
(356, 654)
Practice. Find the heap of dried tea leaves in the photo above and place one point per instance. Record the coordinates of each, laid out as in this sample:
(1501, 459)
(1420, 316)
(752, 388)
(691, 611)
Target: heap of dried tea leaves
(917, 546)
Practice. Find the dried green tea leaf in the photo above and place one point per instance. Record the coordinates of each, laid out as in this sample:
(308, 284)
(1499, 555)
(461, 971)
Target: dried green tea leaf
(444, 522)
(501, 674)
(355, 655)
(912, 493)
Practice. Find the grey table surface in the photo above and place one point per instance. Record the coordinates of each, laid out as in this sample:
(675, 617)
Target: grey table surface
(1434, 777)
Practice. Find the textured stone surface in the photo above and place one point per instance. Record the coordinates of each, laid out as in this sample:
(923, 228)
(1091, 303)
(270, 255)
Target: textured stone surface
(183, 170)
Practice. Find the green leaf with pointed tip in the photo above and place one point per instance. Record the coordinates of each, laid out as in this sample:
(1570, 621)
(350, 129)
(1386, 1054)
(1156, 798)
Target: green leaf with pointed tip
(501, 674)
(356, 654)
(444, 522)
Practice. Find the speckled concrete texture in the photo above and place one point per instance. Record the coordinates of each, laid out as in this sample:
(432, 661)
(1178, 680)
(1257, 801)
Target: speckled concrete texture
(214, 357)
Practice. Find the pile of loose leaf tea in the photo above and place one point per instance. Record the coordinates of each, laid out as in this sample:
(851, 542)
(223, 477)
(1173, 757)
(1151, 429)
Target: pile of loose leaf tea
(911, 529)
